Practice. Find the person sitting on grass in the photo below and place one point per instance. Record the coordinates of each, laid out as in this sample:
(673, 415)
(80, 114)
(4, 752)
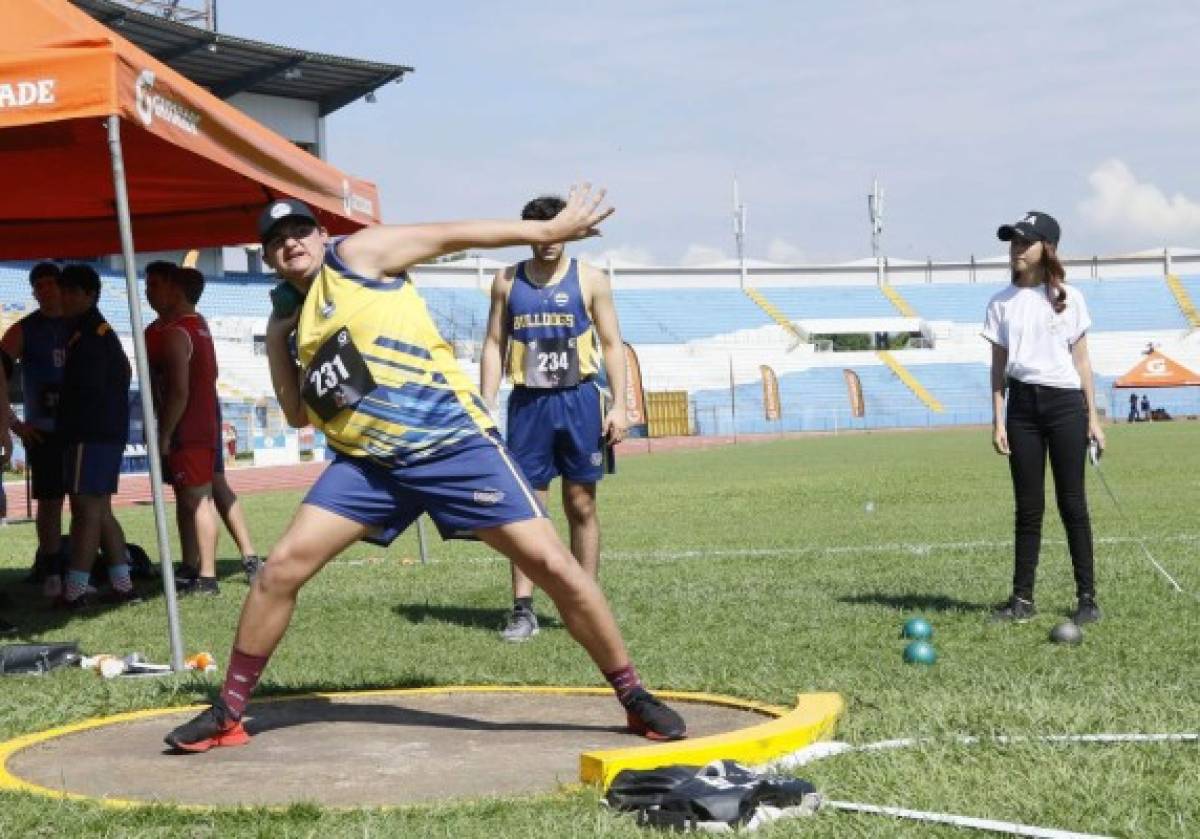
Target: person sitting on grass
(412, 435)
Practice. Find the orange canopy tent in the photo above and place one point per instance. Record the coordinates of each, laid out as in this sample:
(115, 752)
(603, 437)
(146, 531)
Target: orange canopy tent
(197, 169)
(101, 144)
(1157, 370)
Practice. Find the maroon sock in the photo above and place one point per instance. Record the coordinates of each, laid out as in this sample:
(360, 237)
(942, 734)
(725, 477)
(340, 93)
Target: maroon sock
(624, 681)
(241, 679)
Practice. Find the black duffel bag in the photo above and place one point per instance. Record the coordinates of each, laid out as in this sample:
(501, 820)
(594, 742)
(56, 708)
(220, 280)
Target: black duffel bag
(36, 659)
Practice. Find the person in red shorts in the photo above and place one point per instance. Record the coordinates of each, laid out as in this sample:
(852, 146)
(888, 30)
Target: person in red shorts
(183, 370)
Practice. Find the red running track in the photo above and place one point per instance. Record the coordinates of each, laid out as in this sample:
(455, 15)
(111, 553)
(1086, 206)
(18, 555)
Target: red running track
(135, 489)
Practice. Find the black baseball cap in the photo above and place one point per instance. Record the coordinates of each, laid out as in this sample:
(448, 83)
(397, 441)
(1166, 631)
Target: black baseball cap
(1036, 227)
(279, 210)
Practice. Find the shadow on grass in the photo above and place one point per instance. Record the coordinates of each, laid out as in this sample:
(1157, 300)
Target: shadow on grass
(471, 618)
(914, 602)
(23, 604)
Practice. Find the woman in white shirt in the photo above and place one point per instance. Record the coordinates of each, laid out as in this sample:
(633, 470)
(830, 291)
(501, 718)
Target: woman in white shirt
(1038, 331)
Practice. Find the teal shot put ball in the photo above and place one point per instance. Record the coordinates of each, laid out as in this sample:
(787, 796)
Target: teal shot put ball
(917, 629)
(920, 652)
(1067, 632)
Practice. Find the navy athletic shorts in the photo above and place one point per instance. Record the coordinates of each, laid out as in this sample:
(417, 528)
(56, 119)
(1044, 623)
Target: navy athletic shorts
(474, 485)
(557, 432)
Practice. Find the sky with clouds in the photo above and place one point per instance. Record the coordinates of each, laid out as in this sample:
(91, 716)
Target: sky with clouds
(969, 114)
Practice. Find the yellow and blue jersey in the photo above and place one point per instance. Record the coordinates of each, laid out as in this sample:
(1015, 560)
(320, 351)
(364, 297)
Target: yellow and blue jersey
(418, 402)
(552, 341)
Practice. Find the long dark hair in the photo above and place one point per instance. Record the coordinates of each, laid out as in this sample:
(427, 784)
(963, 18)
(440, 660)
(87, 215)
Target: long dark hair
(1055, 277)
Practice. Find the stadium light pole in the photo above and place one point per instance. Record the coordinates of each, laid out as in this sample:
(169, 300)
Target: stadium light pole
(149, 424)
(875, 209)
(739, 231)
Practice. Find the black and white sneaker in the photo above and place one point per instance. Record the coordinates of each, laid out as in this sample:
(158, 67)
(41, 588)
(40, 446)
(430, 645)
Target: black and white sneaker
(188, 586)
(1086, 612)
(251, 565)
(1014, 610)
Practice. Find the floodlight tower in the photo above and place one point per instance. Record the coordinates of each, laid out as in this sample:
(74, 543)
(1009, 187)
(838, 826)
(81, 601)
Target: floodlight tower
(739, 230)
(202, 13)
(875, 209)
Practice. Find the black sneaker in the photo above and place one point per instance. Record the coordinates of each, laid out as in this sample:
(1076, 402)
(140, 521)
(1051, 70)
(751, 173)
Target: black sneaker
(215, 726)
(1015, 609)
(1086, 612)
(7, 628)
(649, 717)
(189, 586)
(251, 565)
(183, 573)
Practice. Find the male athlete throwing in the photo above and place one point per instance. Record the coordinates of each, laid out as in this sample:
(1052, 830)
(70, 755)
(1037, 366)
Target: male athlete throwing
(411, 435)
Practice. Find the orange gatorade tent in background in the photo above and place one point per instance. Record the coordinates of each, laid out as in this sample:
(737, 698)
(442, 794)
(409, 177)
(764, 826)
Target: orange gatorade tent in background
(198, 170)
(1157, 370)
(102, 148)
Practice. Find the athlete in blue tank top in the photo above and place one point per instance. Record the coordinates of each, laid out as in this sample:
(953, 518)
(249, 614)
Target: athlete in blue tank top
(39, 341)
(551, 317)
(411, 436)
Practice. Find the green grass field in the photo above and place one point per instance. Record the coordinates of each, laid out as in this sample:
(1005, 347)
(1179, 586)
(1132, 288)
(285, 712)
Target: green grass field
(762, 571)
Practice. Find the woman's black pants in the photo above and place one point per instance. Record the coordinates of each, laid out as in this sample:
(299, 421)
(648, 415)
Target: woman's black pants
(1042, 420)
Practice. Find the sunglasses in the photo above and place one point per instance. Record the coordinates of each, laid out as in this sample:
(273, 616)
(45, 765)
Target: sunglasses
(301, 230)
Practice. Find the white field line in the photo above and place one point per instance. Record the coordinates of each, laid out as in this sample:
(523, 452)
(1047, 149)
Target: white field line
(912, 548)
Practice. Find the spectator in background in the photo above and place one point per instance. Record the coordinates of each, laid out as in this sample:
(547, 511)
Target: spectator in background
(93, 421)
(6, 628)
(552, 317)
(230, 510)
(1133, 407)
(183, 371)
(1146, 416)
(1038, 331)
(39, 341)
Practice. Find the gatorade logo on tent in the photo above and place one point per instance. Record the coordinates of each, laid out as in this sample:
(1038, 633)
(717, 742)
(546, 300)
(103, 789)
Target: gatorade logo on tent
(26, 94)
(150, 105)
(1157, 367)
(352, 203)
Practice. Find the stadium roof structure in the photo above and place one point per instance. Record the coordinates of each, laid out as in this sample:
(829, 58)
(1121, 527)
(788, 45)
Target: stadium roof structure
(226, 65)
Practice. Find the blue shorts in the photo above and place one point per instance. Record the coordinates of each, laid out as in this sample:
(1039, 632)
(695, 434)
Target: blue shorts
(475, 485)
(557, 432)
(92, 468)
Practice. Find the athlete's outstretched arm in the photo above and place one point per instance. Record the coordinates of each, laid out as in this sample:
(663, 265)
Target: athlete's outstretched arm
(385, 250)
(491, 358)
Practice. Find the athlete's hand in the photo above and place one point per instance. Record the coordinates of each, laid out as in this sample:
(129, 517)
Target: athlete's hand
(6, 448)
(580, 218)
(616, 423)
(1000, 440)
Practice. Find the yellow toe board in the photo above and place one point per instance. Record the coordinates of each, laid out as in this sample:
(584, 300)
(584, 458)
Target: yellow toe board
(812, 720)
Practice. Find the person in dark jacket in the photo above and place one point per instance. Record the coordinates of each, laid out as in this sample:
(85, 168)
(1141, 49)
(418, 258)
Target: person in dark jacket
(93, 423)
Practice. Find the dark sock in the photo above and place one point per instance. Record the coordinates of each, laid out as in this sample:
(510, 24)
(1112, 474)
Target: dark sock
(525, 603)
(240, 680)
(625, 682)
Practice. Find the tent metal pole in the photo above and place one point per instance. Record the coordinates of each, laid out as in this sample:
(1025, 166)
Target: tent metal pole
(143, 369)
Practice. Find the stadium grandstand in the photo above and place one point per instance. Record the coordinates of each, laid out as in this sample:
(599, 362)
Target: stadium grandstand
(913, 340)
(909, 330)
